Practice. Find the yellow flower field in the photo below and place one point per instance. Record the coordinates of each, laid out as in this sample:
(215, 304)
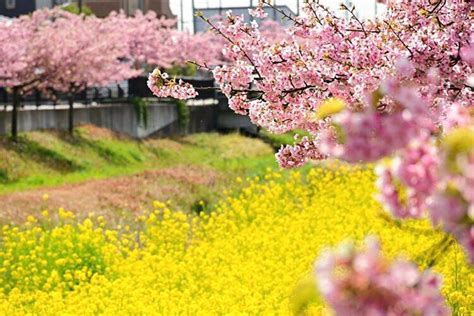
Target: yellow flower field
(253, 254)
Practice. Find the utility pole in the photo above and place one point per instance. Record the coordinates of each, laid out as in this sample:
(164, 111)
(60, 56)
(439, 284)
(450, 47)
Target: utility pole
(349, 6)
(194, 17)
(182, 15)
(80, 6)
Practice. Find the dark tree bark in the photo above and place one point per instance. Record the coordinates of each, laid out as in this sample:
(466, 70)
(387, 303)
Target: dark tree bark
(71, 113)
(37, 98)
(16, 105)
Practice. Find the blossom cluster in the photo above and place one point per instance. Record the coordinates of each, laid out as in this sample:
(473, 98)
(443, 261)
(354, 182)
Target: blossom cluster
(364, 283)
(161, 86)
(452, 204)
(432, 176)
(415, 170)
(297, 155)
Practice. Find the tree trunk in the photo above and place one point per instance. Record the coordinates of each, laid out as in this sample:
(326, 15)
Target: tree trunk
(16, 105)
(37, 98)
(71, 113)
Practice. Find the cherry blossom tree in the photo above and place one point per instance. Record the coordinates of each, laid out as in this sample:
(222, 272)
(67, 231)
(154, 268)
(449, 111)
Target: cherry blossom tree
(155, 42)
(19, 60)
(88, 53)
(145, 36)
(363, 282)
(204, 47)
(396, 91)
(55, 49)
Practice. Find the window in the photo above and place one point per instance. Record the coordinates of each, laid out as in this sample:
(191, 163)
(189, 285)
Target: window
(10, 4)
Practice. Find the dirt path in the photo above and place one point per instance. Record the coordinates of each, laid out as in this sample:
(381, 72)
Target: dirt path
(114, 197)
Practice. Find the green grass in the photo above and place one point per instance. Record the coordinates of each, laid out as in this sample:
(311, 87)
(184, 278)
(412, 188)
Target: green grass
(47, 158)
(278, 140)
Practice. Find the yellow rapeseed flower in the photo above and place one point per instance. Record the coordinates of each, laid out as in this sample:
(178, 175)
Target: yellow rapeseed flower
(251, 254)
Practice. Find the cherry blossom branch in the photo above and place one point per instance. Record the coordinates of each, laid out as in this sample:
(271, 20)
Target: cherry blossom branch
(353, 16)
(282, 12)
(231, 41)
(399, 38)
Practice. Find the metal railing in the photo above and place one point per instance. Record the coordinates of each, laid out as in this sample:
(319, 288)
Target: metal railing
(114, 93)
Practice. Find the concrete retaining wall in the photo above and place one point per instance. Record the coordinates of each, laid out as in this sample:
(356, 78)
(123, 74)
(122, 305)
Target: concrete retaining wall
(162, 119)
(228, 120)
(118, 117)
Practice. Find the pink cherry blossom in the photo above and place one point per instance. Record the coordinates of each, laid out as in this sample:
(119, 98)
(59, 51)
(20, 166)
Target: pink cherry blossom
(452, 205)
(409, 181)
(258, 12)
(363, 282)
(467, 52)
(297, 155)
(162, 86)
(324, 55)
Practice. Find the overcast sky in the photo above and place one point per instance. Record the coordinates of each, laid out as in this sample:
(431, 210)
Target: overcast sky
(366, 8)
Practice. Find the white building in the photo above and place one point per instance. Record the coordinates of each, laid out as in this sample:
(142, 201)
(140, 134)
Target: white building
(183, 8)
(366, 9)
